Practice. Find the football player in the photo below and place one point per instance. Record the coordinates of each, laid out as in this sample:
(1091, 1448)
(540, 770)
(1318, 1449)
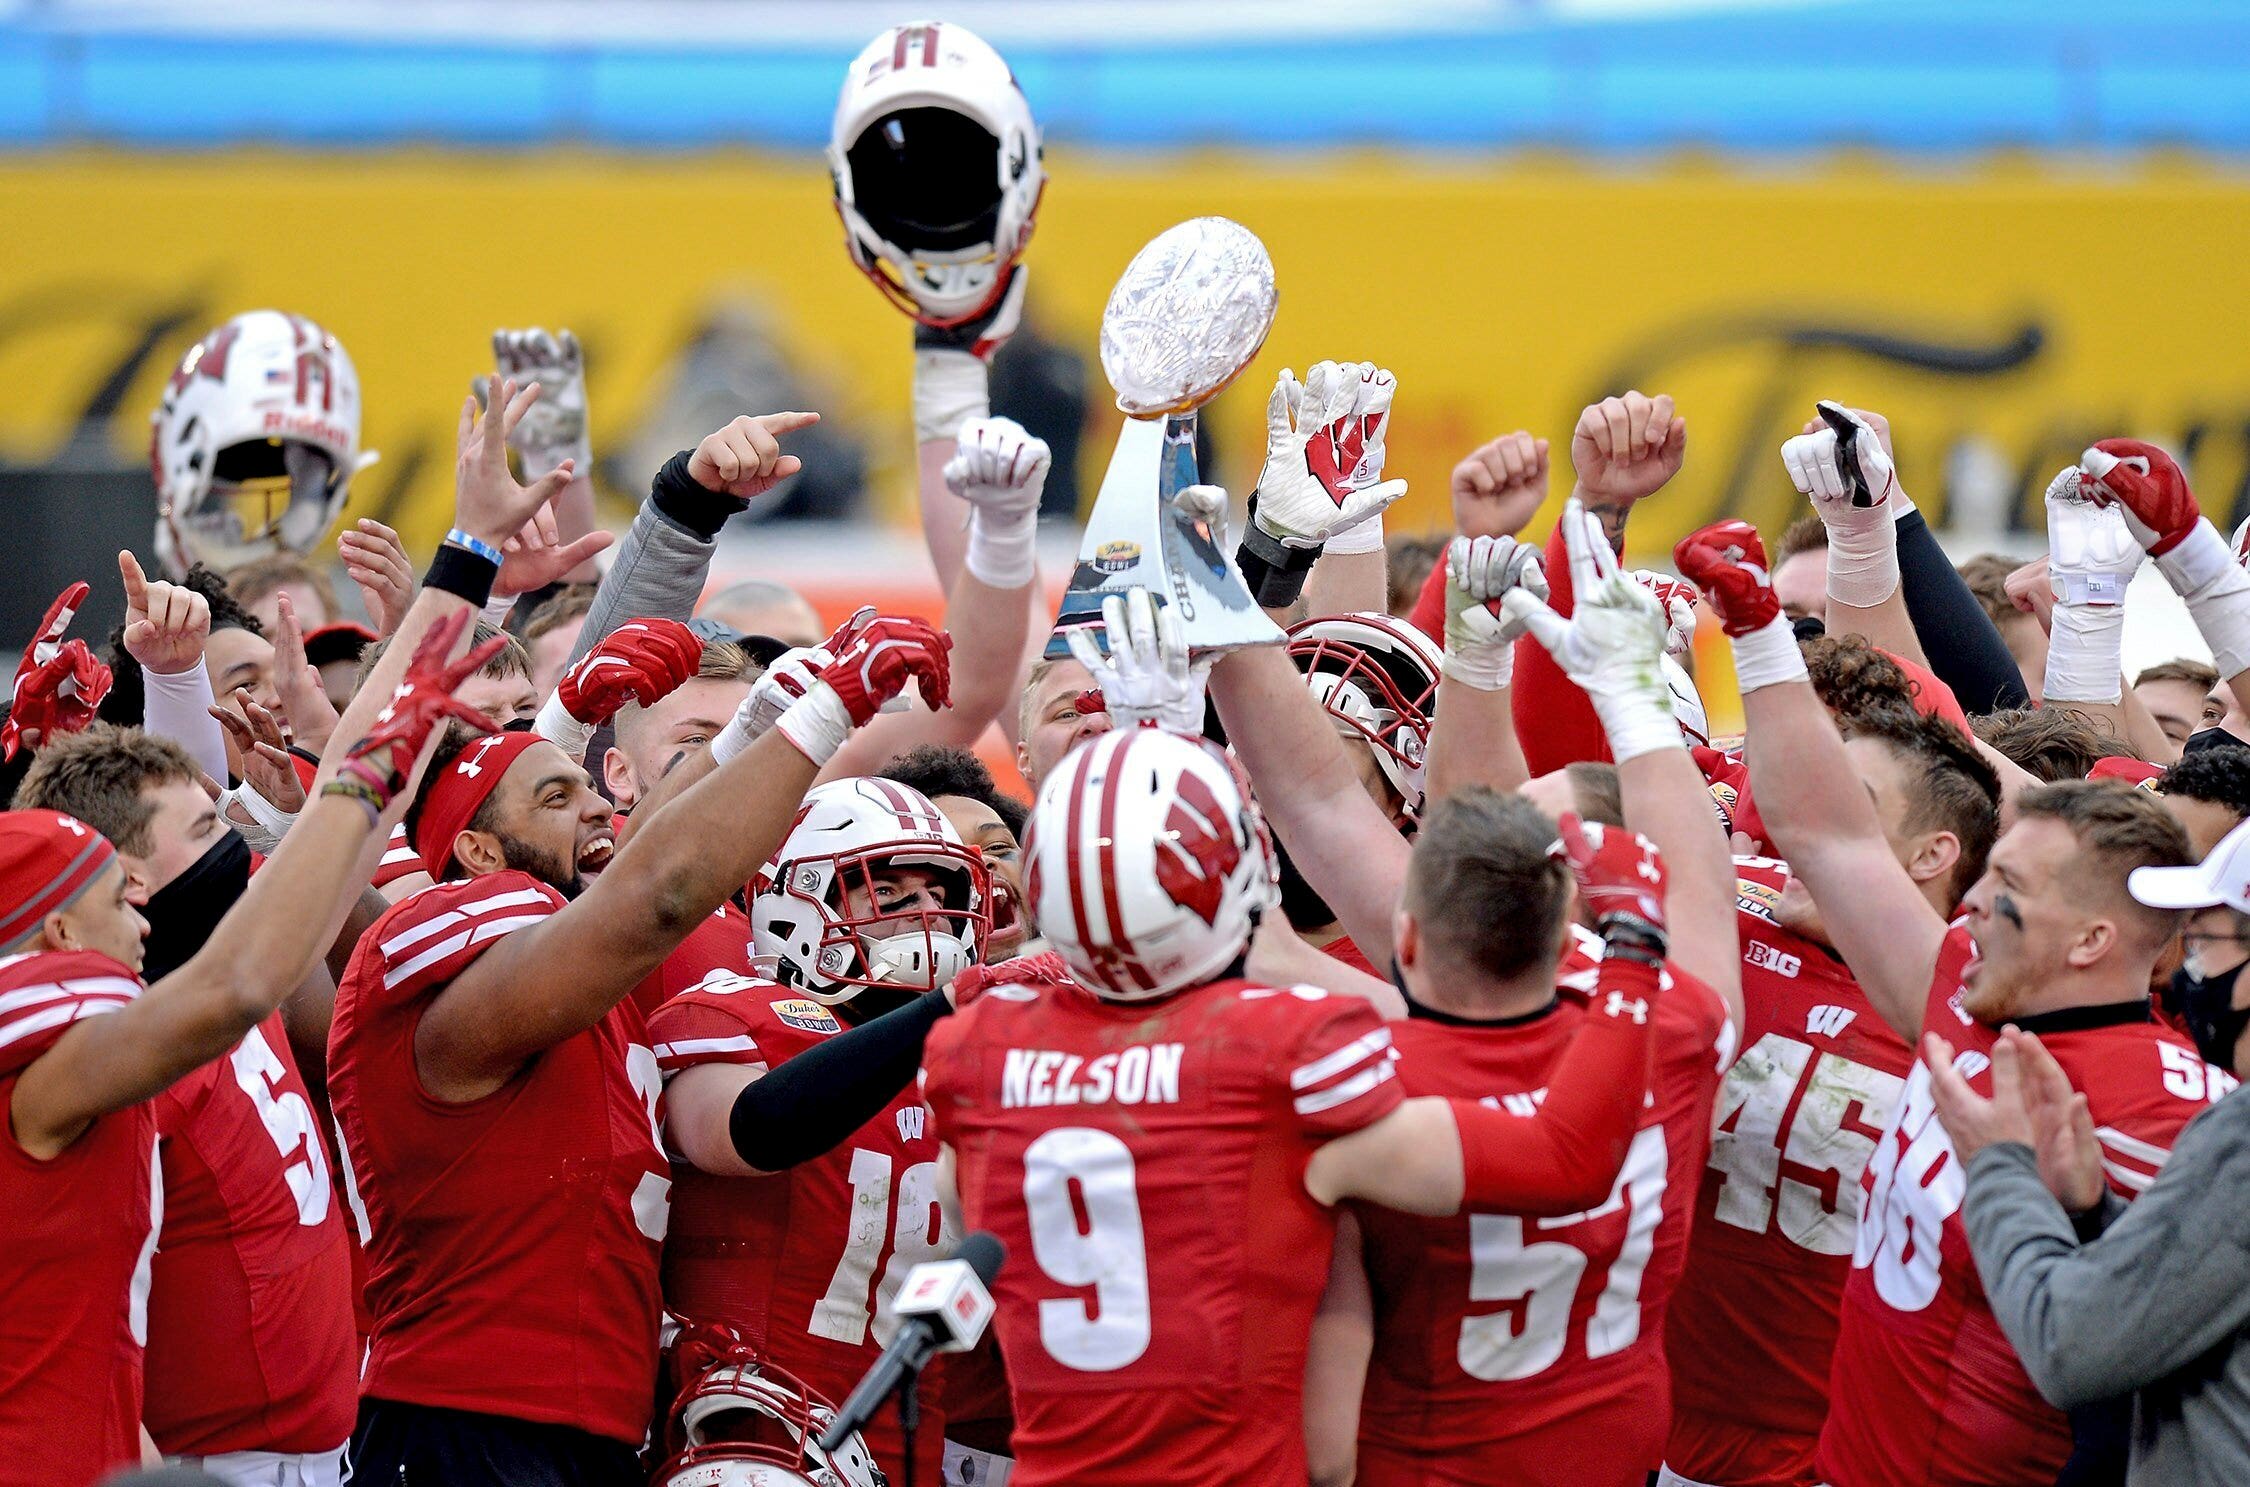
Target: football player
(492, 1082)
(871, 903)
(251, 1361)
(1565, 1380)
(85, 1050)
(1924, 1388)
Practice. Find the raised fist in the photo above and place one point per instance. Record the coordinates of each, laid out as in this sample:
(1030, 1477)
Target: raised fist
(1620, 877)
(58, 684)
(1815, 463)
(2092, 552)
(1001, 471)
(1323, 476)
(1728, 562)
(641, 661)
(1498, 488)
(1479, 636)
(2150, 486)
(1625, 448)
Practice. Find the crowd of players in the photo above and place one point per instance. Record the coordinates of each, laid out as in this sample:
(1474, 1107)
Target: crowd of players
(526, 1038)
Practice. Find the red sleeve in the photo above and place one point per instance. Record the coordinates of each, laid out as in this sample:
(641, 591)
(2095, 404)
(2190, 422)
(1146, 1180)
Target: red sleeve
(432, 937)
(1340, 1068)
(1566, 1158)
(1428, 614)
(1555, 721)
(399, 858)
(698, 1028)
(42, 994)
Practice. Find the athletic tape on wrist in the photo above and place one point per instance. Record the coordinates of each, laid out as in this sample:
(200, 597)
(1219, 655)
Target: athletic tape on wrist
(950, 388)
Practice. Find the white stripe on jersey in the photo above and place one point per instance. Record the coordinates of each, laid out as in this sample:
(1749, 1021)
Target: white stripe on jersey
(2146, 1152)
(690, 1046)
(2126, 1177)
(1345, 1092)
(1329, 1065)
(475, 908)
(81, 986)
(136, 1298)
(39, 1022)
(475, 934)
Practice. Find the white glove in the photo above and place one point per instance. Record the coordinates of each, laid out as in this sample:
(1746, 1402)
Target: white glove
(555, 428)
(1612, 645)
(1208, 505)
(1322, 484)
(1862, 547)
(1146, 678)
(1001, 471)
(792, 675)
(1480, 641)
(2092, 555)
(1678, 597)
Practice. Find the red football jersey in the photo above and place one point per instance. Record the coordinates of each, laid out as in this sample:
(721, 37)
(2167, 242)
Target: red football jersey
(722, 942)
(512, 1249)
(804, 1263)
(1530, 1351)
(1754, 1323)
(1144, 1164)
(76, 1237)
(1926, 1391)
(250, 1339)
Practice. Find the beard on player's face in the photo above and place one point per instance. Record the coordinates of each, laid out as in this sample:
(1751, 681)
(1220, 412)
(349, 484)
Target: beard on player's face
(544, 863)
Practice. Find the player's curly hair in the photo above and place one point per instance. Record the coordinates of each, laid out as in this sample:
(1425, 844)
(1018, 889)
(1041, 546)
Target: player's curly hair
(2219, 777)
(936, 770)
(1853, 677)
(1956, 790)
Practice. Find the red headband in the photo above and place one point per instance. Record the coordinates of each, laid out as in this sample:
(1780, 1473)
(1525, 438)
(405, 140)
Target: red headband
(46, 860)
(450, 801)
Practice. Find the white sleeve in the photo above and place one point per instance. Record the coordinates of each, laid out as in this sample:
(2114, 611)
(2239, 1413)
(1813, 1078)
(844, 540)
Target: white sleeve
(177, 707)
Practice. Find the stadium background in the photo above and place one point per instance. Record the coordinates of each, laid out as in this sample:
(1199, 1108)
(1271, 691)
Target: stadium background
(2012, 227)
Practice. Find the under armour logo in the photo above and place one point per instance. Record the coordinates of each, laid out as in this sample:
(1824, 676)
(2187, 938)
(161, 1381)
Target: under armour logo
(472, 764)
(1646, 869)
(1620, 1006)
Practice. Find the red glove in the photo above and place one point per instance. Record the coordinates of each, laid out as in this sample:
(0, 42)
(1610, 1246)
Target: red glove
(58, 683)
(1728, 562)
(1619, 872)
(2150, 485)
(878, 657)
(641, 661)
(1046, 968)
(423, 700)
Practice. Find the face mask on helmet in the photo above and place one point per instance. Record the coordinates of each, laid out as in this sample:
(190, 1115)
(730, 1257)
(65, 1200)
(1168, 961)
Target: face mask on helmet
(741, 1422)
(916, 949)
(1376, 683)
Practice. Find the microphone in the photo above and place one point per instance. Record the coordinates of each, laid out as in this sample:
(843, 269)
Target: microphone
(942, 1306)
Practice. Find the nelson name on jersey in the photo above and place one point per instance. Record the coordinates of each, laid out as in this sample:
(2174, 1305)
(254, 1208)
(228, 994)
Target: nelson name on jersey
(1144, 1074)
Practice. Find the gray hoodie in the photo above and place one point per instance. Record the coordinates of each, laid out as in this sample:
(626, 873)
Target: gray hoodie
(2156, 1305)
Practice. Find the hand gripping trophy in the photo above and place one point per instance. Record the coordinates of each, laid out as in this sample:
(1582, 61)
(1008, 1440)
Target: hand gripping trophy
(1188, 314)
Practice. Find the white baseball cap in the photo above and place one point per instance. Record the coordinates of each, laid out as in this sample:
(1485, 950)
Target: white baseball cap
(2221, 878)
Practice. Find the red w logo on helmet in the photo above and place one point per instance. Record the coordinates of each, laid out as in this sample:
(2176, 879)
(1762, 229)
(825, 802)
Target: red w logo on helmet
(1197, 852)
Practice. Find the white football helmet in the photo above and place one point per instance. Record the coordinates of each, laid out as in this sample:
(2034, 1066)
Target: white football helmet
(741, 1422)
(937, 168)
(255, 442)
(1147, 863)
(1687, 703)
(801, 906)
(1377, 676)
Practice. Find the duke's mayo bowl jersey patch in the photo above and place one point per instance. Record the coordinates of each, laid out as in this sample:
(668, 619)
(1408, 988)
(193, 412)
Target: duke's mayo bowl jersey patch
(806, 1016)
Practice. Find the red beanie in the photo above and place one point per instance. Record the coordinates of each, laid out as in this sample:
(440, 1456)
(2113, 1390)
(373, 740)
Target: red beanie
(46, 860)
(450, 801)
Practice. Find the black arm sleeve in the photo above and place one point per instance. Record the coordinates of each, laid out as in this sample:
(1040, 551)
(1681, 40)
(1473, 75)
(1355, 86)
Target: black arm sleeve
(1964, 646)
(2100, 1440)
(678, 496)
(811, 1104)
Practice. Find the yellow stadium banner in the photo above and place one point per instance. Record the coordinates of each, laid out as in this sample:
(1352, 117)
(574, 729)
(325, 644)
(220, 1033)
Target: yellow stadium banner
(2001, 313)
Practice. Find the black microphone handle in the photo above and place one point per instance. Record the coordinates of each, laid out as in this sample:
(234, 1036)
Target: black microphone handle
(917, 1340)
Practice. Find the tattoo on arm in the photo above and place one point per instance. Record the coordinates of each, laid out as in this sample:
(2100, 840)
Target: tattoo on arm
(1612, 515)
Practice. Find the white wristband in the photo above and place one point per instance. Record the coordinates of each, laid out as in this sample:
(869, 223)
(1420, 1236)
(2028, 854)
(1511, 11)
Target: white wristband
(817, 723)
(1637, 724)
(1768, 656)
(267, 823)
(1862, 563)
(1364, 538)
(1003, 552)
(950, 388)
(2085, 653)
(496, 611)
(2202, 571)
(1488, 666)
(558, 727)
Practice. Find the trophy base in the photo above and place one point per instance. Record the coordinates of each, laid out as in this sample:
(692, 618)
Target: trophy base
(1132, 542)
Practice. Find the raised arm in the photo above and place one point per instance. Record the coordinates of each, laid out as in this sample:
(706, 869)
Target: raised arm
(1612, 649)
(267, 943)
(1816, 809)
(999, 471)
(1863, 571)
(535, 988)
(166, 628)
(1316, 518)
(2091, 559)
